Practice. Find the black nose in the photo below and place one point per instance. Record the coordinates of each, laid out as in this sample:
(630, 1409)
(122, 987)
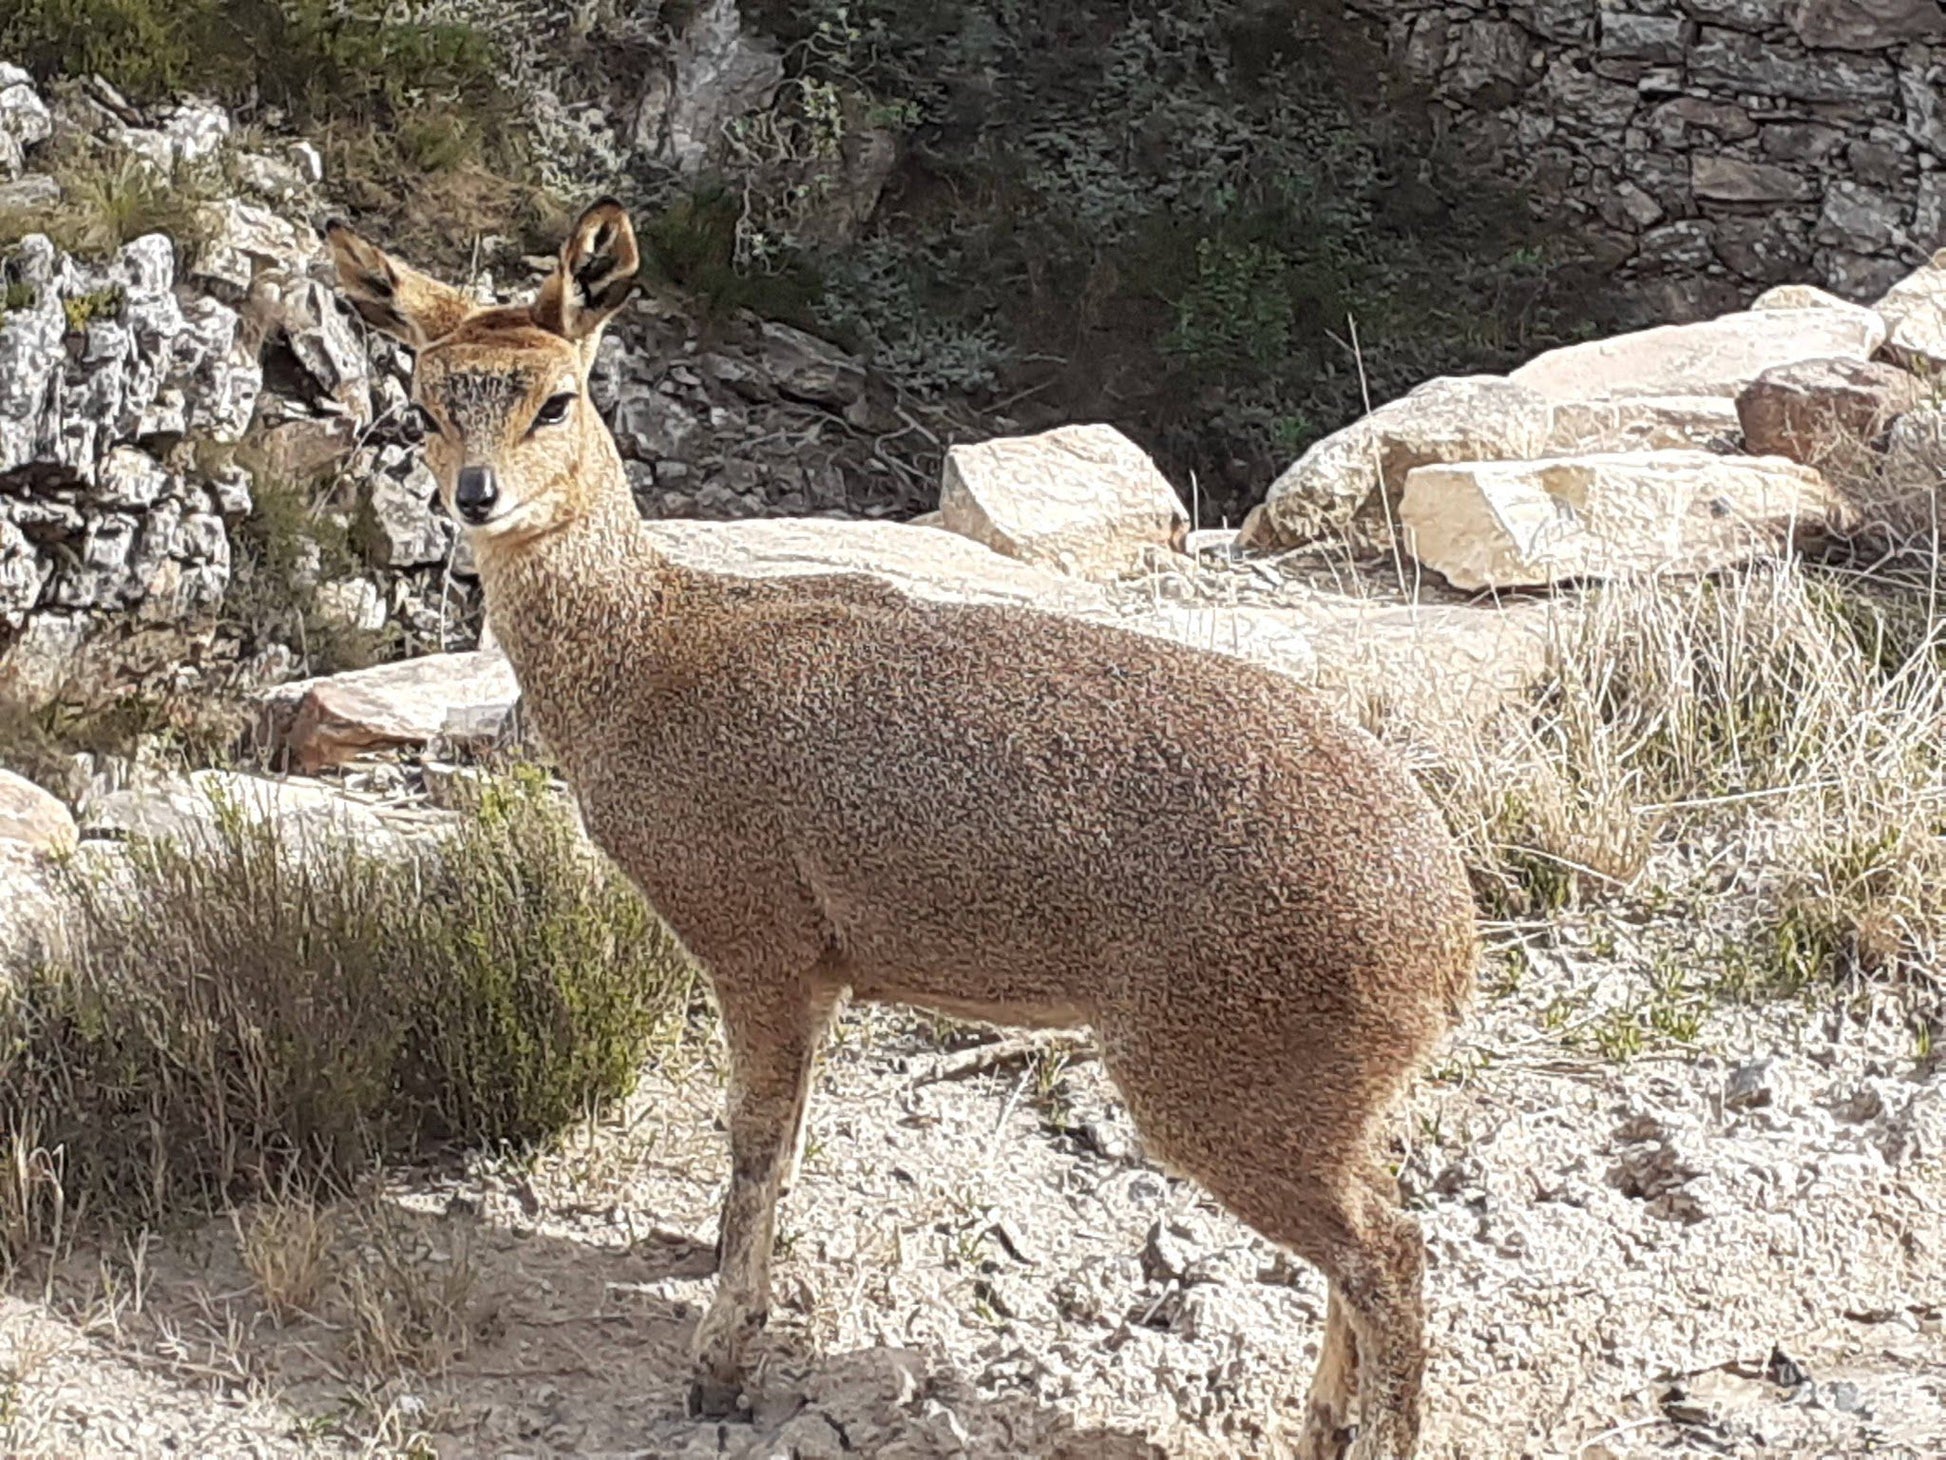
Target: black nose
(475, 493)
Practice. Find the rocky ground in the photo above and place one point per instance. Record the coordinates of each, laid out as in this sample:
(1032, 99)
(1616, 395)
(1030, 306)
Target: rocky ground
(1734, 1250)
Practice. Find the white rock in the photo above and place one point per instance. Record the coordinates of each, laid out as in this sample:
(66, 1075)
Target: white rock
(926, 562)
(1712, 357)
(352, 603)
(1797, 296)
(1337, 483)
(23, 573)
(268, 177)
(197, 130)
(1439, 667)
(1755, 1084)
(32, 352)
(1530, 524)
(194, 810)
(408, 529)
(33, 816)
(308, 161)
(1272, 637)
(31, 190)
(1643, 423)
(23, 115)
(157, 149)
(1915, 315)
(1082, 499)
(129, 477)
(329, 347)
(244, 239)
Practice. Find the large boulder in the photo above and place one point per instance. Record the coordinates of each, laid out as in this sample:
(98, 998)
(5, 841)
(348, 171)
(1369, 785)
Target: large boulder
(1535, 523)
(405, 705)
(403, 525)
(33, 817)
(1644, 423)
(1816, 410)
(35, 913)
(1914, 310)
(1915, 453)
(1082, 499)
(1344, 482)
(1440, 667)
(926, 562)
(1711, 357)
(24, 118)
(1271, 637)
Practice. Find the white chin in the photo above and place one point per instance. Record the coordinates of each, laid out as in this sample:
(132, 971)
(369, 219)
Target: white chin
(521, 518)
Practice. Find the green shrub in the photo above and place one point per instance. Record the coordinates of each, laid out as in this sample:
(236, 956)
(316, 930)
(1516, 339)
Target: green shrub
(319, 60)
(417, 125)
(693, 244)
(83, 309)
(255, 1011)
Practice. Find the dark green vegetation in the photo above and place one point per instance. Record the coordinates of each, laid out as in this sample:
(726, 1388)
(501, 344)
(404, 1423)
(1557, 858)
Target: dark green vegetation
(250, 1014)
(1173, 218)
(1206, 221)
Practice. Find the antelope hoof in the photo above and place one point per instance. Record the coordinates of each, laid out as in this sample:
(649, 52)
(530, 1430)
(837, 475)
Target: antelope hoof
(1323, 1438)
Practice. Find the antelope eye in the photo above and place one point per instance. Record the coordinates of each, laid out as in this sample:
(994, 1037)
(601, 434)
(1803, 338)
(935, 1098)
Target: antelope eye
(555, 409)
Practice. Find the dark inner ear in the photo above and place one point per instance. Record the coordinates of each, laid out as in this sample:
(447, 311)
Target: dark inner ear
(597, 268)
(370, 292)
(376, 313)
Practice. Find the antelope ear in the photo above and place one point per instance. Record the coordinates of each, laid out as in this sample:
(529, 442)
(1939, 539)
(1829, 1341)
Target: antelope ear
(595, 276)
(391, 296)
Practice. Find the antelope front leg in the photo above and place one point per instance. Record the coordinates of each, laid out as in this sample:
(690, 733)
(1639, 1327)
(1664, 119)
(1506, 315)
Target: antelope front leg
(771, 1051)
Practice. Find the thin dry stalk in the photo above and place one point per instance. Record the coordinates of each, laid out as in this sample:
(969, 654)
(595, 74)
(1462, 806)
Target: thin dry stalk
(285, 1242)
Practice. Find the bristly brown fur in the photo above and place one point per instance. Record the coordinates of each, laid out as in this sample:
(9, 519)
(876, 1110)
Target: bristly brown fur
(825, 785)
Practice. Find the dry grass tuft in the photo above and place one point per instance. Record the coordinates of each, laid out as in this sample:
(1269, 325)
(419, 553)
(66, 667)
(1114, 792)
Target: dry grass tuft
(409, 1305)
(1770, 744)
(285, 1242)
(109, 200)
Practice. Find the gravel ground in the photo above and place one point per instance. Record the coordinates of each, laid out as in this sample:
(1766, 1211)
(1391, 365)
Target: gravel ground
(1737, 1248)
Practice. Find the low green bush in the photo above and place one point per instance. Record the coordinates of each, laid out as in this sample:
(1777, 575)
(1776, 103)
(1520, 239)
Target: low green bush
(249, 1011)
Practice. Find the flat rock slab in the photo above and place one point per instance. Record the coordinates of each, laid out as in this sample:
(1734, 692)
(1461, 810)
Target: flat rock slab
(1274, 638)
(1712, 357)
(1441, 667)
(1344, 481)
(330, 720)
(193, 810)
(1537, 523)
(1078, 499)
(926, 562)
(32, 816)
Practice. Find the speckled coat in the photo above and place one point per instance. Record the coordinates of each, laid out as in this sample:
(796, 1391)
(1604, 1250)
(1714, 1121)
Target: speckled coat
(823, 784)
